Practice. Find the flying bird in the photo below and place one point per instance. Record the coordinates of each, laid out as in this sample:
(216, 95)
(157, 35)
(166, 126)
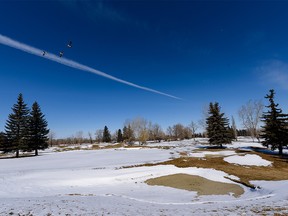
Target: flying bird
(61, 54)
(69, 45)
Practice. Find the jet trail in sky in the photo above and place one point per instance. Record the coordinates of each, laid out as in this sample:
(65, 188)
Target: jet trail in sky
(70, 63)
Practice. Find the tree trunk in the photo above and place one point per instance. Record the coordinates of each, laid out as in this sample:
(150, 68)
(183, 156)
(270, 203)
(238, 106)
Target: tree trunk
(36, 152)
(17, 153)
(280, 148)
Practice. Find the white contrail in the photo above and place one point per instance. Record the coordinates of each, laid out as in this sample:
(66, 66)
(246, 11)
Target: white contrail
(70, 63)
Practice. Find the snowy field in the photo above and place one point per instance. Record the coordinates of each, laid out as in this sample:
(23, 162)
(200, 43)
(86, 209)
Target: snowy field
(94, 182)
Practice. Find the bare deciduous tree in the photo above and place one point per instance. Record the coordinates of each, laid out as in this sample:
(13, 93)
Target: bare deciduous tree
(178, 131)
(194, 128)
(140, 128)
(114, 136)
(234, 128)
(170, 133)
(90, 137)
(143, 136)
(156, 132)
(79, 137)
(250, 115)
(99, 135)
(202, 122)
(51, 137)
(187, 133)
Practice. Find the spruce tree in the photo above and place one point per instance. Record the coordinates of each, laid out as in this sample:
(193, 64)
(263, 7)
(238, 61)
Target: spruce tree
(275, 131)
(16, 127)
(217, 126)
(106, 135)
(38, 132)
(128, 134)
(119, 136)
(4, 143)
(125, 133)
(231, 133)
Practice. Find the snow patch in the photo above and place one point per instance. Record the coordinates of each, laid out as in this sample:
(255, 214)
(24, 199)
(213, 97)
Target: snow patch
(248, 160)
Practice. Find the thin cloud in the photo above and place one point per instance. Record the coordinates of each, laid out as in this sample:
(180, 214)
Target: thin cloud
(274, 72)
(101, 10)
(96, 10)
(73, 64)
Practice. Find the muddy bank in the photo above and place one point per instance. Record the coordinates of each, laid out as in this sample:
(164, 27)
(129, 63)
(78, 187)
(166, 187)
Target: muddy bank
(199, 184)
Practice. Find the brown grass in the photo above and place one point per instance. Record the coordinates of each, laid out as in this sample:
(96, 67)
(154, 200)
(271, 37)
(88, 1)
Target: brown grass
(278, 170)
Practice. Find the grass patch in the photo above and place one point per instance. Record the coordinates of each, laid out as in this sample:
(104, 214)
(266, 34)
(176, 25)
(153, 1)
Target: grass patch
(95, 147)
(278, 170)
(113, 146)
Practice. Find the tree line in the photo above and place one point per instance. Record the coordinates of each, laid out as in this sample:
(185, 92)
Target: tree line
(274, 131)
(251, 115)
(136, 130)
(25, 130)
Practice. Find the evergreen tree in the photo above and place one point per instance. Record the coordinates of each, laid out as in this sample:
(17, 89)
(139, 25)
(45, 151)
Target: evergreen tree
(128, 134)
(231, 133)
(16, 127)
(119, 136)
(106, 135)
(125, 133)
(217, 126)
(242, 132)
(4, 143)
(275, 130)
(38, 132)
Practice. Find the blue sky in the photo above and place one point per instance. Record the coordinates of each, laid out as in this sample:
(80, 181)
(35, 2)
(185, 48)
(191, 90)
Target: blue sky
(201, 51)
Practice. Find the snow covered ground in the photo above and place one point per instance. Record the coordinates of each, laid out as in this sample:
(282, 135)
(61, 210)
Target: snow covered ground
(94, 182)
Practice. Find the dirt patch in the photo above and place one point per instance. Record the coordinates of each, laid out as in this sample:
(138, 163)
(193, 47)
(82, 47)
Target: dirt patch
(196, 183)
